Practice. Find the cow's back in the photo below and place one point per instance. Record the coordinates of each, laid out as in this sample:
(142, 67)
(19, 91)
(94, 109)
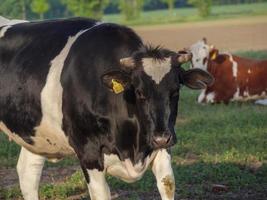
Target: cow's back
(251, 77)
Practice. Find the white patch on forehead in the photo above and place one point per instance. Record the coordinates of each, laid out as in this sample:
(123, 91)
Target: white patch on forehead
(249, 71)
(157, 69)
(200, 51)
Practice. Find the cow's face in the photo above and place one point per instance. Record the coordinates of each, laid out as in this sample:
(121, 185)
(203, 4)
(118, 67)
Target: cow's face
(154, 78)
(201, 54)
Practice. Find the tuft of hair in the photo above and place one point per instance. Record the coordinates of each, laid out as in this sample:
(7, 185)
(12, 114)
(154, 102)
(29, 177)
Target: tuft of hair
(156, 52)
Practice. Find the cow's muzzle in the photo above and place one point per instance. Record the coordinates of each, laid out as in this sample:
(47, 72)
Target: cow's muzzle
(164, 140)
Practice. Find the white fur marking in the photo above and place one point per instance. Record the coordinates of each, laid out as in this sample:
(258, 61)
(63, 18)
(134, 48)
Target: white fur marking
(210, 97)
(51, 103)
(156, 69)
(98, 187)
(249, 71)
(125, 170)
(29, 169)
(246, 96)
(3, 31)
(235, 66)
(8, 24)
(50, 139)
(236, 95)
(201, 96)
(162, 170)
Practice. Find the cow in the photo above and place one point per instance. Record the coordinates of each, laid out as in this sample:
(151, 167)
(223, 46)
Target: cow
(94, 90)
(236, 78)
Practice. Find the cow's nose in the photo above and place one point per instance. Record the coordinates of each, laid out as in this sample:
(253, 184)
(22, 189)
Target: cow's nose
(162, 141)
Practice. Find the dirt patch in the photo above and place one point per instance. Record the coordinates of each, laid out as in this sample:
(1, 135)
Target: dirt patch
(9, 177)
(231, 35)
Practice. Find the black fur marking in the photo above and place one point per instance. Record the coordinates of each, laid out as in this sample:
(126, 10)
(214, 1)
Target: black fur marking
(26, 51)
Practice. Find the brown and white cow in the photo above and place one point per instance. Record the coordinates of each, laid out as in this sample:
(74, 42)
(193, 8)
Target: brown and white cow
(236, 78)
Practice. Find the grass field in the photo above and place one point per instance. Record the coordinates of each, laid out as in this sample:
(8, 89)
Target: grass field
(218, 144)
(190, 14)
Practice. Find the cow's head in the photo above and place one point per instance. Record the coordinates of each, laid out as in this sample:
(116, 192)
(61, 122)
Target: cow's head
(202, 53)
(153, 77)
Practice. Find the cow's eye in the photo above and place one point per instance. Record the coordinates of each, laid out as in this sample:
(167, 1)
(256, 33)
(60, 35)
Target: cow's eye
(140, 95)
(197, 60)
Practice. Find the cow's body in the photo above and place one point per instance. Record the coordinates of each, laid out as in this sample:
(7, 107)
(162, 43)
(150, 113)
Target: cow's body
(236, 78)
(31, 60)
(55, 100)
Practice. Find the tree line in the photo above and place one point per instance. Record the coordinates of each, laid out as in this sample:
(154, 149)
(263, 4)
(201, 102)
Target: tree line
(130, 9)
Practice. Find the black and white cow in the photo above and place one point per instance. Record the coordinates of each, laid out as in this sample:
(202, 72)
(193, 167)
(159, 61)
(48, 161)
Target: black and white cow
(78, 86)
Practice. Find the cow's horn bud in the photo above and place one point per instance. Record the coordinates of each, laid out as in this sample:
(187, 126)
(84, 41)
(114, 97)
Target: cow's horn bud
(184, 56)
(127, 62)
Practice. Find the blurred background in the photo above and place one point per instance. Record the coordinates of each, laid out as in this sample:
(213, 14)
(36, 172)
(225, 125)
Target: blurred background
(229, 24)
(222, 149)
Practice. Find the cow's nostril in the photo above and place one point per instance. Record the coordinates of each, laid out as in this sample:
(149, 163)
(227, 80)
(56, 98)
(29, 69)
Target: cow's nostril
(169, 139)
(161, 141)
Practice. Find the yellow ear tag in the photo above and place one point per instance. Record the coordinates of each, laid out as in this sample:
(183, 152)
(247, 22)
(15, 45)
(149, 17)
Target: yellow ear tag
(117, 87)
(214, 56)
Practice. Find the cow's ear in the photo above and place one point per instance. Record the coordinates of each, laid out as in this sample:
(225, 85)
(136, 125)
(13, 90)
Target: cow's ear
(117, 81)
(213, 53)
(197, 79)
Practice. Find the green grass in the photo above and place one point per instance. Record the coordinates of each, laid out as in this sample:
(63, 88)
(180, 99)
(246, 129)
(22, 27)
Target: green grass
(191, 14)
(217, 144)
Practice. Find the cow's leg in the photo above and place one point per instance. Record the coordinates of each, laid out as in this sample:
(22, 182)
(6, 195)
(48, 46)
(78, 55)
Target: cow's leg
(162, 170)
(97, 185)
(29, 169)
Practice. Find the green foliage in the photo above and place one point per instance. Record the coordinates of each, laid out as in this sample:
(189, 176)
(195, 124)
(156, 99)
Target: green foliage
(40, 7)
(181, 15)
(203, 6)
(131, 9)
(14, 8)
(170, 4)
(86, 8)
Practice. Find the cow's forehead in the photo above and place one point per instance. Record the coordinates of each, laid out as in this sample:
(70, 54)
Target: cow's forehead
(156, 69)
(200, 49)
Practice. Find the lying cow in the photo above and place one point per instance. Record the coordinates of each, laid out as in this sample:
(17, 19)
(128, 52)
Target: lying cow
(78, 86)
(236, 78)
